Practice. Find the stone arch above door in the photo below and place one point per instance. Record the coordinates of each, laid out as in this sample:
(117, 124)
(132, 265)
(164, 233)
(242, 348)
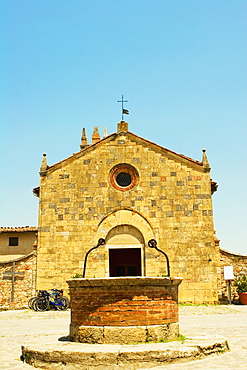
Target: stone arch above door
(125, 230)
(124, 218)
(124, 249)
(124, 235)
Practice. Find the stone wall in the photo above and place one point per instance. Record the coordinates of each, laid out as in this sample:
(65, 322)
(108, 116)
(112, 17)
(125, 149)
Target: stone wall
(239, 263)
(24, 286)
(169, 200)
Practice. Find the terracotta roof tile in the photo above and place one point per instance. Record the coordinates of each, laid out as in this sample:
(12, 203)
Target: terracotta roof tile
(18, 229)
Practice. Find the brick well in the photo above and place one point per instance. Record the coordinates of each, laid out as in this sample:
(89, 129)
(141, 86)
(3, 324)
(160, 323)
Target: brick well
(124, 309)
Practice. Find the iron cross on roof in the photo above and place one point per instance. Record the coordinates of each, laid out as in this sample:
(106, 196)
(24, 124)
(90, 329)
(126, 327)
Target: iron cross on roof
(124, 111)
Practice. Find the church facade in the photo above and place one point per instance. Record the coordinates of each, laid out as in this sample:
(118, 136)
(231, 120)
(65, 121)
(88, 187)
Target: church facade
(128, 191)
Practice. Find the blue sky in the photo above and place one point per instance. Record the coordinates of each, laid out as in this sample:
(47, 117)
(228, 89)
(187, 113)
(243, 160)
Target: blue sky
(181, 64)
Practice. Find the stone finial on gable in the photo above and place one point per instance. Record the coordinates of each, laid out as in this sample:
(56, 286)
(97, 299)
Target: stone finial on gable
(43, 168)
(105, 132)
(122, 126)
(205, 163)
(95, 135)
(84, 141)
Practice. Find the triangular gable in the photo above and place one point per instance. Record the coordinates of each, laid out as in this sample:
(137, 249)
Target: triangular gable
(139, 140)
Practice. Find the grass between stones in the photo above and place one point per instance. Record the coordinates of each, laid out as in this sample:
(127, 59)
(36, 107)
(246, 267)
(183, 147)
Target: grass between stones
(181, 338)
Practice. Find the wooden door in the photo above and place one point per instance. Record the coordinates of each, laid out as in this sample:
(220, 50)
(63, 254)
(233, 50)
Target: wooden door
(125, 262)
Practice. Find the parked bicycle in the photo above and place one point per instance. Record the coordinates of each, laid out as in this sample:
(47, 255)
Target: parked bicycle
(46, 300)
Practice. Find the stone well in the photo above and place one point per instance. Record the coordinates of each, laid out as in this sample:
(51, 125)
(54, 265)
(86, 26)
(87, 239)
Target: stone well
(124, 310)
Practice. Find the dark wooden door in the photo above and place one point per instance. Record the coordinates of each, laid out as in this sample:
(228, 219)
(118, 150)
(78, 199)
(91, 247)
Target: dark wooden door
(125, 262)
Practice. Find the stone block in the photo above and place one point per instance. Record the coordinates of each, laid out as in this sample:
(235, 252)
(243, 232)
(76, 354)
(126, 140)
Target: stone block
(157, 333)
(87, 334)
(124, 335)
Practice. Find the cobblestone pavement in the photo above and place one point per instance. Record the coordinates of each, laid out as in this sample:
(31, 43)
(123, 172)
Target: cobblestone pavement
(26, 326)
(227, 321)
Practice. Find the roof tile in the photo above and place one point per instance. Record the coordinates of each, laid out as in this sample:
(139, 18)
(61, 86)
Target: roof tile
(18, 229)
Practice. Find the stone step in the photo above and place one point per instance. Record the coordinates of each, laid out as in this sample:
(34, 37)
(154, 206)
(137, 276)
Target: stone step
(71, 356)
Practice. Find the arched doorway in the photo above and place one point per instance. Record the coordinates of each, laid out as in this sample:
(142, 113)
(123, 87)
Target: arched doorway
(125, 248)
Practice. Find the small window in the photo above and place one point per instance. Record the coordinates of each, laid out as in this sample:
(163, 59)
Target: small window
(13, 241)
(123, 179)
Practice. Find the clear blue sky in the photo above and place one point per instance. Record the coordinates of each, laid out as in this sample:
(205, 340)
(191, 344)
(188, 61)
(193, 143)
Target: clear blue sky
(181, 64)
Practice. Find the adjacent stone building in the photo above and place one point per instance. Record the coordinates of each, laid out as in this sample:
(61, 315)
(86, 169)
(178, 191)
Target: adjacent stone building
(17, 242)
(17, 266)
(128, 190)
(239, 264)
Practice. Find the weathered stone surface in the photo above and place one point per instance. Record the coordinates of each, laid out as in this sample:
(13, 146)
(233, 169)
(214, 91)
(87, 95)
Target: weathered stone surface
(87, 334)
(157, 333)
(24, 286)
(74, 356)
(160, 205)
(125, 335)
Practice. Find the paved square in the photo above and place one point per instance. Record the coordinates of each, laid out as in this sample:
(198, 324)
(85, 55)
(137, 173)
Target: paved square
(26, 326)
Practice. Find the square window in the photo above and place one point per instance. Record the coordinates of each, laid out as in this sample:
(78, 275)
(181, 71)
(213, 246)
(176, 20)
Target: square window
(13, 241)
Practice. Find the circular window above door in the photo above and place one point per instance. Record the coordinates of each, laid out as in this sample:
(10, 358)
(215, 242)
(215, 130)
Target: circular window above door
(123, 177)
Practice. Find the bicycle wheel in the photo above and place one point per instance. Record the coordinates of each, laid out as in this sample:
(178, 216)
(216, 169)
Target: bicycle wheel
(67, 300)
(62, 304)
(30, 302)
(40, 304)
(34, 304)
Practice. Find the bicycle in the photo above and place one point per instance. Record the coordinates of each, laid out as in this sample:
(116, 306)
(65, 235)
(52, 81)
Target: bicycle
(57, 300)
(47, 300)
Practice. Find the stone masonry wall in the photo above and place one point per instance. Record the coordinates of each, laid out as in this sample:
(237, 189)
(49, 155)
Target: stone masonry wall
(170, 202)
(24, 287)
